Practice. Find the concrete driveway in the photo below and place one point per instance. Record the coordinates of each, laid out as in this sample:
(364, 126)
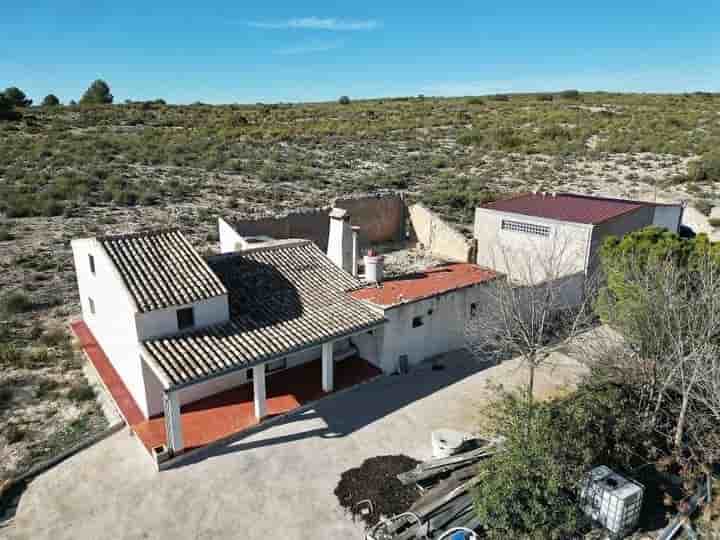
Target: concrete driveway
(277, 483)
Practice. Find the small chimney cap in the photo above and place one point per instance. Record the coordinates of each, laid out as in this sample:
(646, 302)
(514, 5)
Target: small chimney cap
(339, 213)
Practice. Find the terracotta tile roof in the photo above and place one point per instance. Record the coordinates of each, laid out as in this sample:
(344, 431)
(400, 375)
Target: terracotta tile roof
(161, 269)
(283, 299)
(425, 284)
(568, 207)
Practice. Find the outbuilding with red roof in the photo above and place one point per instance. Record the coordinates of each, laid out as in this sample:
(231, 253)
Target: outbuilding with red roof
(535, 237)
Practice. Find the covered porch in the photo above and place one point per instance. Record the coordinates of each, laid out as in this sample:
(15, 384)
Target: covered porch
(232, 411)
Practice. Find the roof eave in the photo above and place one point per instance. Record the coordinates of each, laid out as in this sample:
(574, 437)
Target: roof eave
(365, 328)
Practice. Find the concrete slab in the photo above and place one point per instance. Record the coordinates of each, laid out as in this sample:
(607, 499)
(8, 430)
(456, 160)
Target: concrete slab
(274, 484)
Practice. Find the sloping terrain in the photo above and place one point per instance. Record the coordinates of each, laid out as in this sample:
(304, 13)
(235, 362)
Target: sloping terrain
(69, 172)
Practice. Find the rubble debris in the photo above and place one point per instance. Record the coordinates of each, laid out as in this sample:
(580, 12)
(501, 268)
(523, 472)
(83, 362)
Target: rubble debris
(441, 467)
(376, 480)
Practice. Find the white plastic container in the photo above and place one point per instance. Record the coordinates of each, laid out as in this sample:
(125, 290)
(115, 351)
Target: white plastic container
(445, 442)
(612, 500)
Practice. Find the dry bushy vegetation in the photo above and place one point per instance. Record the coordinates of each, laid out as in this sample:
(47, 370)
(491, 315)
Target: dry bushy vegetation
(71, 171)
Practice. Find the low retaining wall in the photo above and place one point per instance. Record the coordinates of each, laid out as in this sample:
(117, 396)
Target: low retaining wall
(380, 218)
(439, 237)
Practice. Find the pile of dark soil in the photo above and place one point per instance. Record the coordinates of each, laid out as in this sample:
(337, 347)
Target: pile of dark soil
(375, 480)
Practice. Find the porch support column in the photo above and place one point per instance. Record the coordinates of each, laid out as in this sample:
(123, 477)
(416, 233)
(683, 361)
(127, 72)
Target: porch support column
(173, 425)
(259, 394)
(328, 367)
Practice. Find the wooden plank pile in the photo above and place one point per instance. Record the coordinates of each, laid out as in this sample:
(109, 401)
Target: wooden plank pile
(447, 501)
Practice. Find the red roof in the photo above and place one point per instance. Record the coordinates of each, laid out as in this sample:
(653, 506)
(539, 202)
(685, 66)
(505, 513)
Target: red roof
(568, 207)
(426, 284)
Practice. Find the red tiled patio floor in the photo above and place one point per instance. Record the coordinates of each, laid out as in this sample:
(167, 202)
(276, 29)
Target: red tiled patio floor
(124, 400)
(228, 412)
(231, 411)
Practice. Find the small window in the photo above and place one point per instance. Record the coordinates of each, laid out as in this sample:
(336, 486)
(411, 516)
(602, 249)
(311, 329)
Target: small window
(249, 374)
(91, 260)
(185, 318)
(92, 305)
(276, 365)
(473, 309)
(417, 322)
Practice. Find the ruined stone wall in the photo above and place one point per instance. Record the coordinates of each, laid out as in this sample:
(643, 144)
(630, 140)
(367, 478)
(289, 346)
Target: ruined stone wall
(438, 236)
(381, 219)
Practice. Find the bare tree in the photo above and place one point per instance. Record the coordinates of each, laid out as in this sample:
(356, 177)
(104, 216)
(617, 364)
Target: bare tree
(667, 315)
(541, 299)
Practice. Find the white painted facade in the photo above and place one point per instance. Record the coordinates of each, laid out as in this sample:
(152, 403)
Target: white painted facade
(531, 250)
(113, 322)
(119, 327)
(425, 328)
(531, 257)
(230, 240)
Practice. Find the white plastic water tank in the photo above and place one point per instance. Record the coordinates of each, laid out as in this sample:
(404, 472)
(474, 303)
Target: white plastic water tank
(612, 500)
(446, 442)
(374, 268)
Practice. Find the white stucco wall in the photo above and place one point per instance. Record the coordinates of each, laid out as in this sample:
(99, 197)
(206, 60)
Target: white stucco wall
(438, 236)
(369, 345)
(229, 238)
(113, 323)
(442, 331)
(530, 258)
(153, 390)
(163, 322)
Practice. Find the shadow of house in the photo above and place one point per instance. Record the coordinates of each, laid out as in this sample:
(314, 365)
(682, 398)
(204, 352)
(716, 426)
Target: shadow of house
(353, 410)
(259, 294)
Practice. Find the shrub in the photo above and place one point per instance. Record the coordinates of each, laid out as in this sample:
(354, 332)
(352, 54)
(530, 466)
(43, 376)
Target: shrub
(505, 138)
(17, 97)
(6, 395)
(97, 94)
(81, 392)
(525, 490)
(15, 302)
(6, 235)
(570, 94)
(529, 490)
(344, 100)
(475, 101)
(11, 355)
(473, 137)
(703, 205)
(14, 433)
(51, 100)
(46, 387)
(39, 356)
(705, 169)
(7, 111)
(500, 97)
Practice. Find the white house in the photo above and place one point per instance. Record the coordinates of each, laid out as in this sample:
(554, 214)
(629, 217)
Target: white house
(427, 312)
(539, 236)
(178, 327)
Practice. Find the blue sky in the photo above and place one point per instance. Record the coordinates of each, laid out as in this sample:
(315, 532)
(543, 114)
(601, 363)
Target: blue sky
(235, 51)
